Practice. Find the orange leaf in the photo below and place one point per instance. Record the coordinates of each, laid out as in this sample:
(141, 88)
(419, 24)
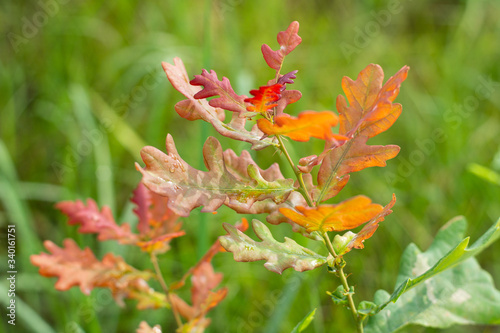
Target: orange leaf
(308, 124)
(370, 109)
(265, 98)
(370, 228)
(346, 215)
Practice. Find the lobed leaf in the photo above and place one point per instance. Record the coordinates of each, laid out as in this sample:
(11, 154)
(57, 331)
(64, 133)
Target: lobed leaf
(308, 124)
(370, 109)
(188, 188)
(157, 224)
(227, 100)
(369, 229)
(203, 298)
(456, 289)
(288, 40)
(265, 98)
(93, 220)
(346, 215)
(352, 156)
(193, 109)
(75, 267)
(278, 256)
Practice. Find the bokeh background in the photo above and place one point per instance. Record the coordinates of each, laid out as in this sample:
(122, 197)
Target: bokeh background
(82, 90)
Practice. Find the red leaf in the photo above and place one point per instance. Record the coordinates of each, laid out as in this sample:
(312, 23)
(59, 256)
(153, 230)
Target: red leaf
(193, 109)
(308, 124)
(142, 199)
(265, 98)
(75, 267)
(91, 220)
(227, 99)
(288, 40)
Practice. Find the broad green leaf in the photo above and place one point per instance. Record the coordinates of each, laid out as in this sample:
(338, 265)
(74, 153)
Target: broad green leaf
(188, 188)
(462, 293)
(304, 323)
(279, 256)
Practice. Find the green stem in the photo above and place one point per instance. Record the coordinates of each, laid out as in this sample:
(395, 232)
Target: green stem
(166, 289)
(345, 284)
(298, 174)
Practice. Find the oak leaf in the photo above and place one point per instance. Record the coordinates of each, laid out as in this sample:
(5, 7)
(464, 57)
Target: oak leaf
(288, 40)
(346, 215)
(203, 297)
(193, 109)
(369, 229)
(93, 220)
(227, 100)
(265, 98)
(352, 156)
(279, 256)
(75, 267)
(370, 109)
(157, 224)
(308, 124)
(188, 188)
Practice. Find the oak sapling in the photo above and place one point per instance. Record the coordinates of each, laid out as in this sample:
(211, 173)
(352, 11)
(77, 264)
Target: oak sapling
(171, 189)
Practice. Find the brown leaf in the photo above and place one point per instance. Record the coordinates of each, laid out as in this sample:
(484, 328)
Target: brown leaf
(188, 188)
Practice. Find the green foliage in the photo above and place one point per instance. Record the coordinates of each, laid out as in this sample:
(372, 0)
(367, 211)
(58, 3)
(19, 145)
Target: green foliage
(304, 323)
(456, 289)
(278, 256)
(111, 52)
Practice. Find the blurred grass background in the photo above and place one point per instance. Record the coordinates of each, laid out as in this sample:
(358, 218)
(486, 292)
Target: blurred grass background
(82, 90)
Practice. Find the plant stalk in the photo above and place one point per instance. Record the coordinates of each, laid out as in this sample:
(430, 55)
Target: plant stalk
(166, 289)
(345, 284)
(298, 174)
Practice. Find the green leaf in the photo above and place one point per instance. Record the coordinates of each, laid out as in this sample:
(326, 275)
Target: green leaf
(188, 188)
(304, 322)
(339, 296)
(279, 256)
(462, 293)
